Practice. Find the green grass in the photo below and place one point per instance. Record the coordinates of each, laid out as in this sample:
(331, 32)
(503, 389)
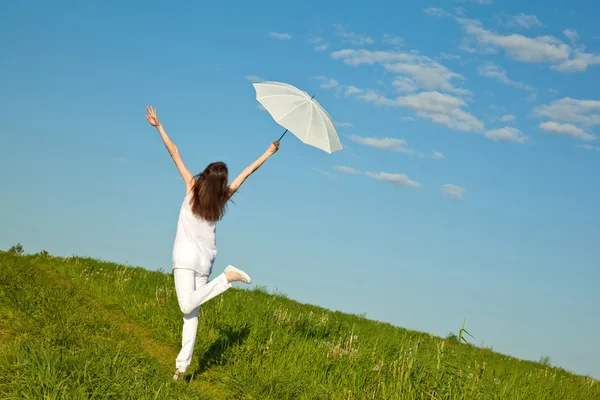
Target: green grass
(56, 346)
(81, 328)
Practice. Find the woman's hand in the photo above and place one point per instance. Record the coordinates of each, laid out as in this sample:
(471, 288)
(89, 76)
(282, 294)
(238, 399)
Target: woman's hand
(273, 148)
(151, 117)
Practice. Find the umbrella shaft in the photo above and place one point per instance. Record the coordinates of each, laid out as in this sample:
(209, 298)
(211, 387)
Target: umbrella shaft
(282, 135)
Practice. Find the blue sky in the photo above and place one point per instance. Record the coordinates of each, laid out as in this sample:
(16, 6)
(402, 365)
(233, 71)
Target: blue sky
(467, 186)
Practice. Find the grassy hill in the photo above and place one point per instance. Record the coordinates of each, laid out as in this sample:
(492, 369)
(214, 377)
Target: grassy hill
(75, 328)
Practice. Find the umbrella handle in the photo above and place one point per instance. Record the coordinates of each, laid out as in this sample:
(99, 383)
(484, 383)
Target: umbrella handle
(282, 135)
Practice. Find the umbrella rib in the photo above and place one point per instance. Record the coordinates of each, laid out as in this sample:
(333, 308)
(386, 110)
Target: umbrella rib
(284, 115)
(327, 120)
(324, 124)
(309, 124)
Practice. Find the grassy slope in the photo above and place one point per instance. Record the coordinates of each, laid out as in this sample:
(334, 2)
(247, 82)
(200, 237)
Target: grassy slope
(81, 328)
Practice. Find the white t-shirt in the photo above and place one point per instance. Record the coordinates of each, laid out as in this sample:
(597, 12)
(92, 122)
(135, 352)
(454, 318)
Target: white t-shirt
(195, 244)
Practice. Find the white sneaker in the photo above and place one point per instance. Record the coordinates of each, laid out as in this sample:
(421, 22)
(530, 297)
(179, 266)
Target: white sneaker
(245, 277)
(179, 375)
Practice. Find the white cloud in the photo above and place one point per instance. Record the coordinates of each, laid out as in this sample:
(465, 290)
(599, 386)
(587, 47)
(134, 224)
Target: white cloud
(326, 174)
(280, 36)
(437, 12)
(532, 97)
(351, 90)
(328, 83)
(319, 45)
(389, 144)
(491, 70)
(393, 179)
(437, 107)
(588, 147)
(442, 109)
(524, 21)
(506, 134)
(426, 73)
(351, 37)
(404, 84)
(438, 155)
(450, 57)
(539, 49)
(567, 130)
(460, 11)
(571, 34)
(343, 124)
(359, 57)
(408, 118)
(254, 78)
(508, 118)
(393, 40)
(584, 112)
(579, 62)
(345, 170)
(371, 96)
(464, 46)
(429, 75)
(453, 191)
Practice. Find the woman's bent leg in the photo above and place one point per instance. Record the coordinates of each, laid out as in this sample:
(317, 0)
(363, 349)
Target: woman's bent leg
(192, 290)
(191, 299)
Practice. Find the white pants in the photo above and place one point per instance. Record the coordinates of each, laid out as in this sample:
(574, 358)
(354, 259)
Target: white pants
(193, 289)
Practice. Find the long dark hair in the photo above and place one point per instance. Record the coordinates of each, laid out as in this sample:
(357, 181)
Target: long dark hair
(211, 192)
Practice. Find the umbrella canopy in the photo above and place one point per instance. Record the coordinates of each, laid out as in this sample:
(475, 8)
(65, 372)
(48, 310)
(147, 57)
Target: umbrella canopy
(299, 113)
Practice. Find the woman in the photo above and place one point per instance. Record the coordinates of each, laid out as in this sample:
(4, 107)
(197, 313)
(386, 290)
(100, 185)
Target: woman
(194, 250)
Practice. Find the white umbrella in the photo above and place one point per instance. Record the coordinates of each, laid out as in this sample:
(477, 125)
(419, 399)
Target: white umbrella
(299, 113)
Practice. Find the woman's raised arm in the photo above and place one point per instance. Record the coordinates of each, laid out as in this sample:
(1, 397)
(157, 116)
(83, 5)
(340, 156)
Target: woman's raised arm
(249, 170)
(187, 176)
